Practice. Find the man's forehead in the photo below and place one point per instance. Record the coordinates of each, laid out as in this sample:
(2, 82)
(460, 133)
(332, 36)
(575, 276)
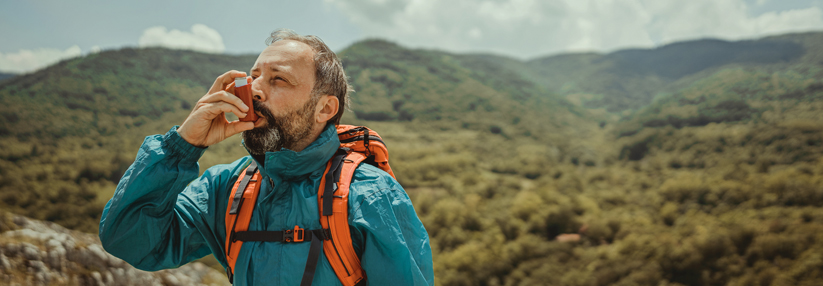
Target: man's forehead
(284, 54)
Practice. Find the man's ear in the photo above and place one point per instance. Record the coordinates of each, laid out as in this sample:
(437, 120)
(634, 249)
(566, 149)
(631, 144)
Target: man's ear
(326, 108)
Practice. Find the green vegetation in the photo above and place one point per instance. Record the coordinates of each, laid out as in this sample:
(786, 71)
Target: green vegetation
(706, 173)
(630, 79)
(67, 133)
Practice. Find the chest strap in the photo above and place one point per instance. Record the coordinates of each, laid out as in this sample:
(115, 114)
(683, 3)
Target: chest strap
(290, 235)
(296, 235)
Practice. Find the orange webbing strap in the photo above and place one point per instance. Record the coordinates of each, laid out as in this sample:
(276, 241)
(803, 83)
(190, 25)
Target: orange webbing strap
(238, 217)
(340, 252)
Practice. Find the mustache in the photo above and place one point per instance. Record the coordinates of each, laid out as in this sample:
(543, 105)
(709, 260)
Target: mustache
(265, 138)
(263, 110)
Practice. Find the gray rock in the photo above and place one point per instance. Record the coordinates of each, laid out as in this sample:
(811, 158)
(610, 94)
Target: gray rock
(19, 221)
(69, 244)
(4, 263)
(30, 252)
(37, 266)
(119, 274)
(74, 258)
(98, 279)
(96, 256)
(108, 278)
(75, 280)
(41, 278)
(170, 279)
(56, 254)
(11, 249)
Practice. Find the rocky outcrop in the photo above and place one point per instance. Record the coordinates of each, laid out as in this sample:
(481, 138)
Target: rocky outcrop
(34, 252)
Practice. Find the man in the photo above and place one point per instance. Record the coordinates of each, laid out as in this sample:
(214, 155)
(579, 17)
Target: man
(163, 216)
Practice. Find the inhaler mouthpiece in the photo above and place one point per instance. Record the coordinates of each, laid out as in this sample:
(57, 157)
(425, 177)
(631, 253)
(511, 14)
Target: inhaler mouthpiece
(240, 81)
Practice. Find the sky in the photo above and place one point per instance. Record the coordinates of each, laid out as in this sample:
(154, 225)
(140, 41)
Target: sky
(38, 33)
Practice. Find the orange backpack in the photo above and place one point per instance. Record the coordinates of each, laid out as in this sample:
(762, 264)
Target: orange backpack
(357, 144)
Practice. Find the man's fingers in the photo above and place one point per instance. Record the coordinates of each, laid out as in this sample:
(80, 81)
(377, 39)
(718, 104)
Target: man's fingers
(223, 96)
(218, 108)
(225, 79)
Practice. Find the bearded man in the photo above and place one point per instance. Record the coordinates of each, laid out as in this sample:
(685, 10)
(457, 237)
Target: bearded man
(163, 215)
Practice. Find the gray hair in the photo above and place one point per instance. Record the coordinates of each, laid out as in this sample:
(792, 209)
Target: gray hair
(330, 78)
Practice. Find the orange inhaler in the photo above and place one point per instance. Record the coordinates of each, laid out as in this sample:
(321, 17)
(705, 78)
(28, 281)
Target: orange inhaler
(242, 89)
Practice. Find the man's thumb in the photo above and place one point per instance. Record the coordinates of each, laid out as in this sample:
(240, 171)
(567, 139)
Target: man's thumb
(239, 126)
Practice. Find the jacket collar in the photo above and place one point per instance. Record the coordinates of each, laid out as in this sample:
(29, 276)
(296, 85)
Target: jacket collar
(289, 165)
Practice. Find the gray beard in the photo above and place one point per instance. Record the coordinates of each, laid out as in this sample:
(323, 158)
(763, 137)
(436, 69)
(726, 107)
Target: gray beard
(280, 132)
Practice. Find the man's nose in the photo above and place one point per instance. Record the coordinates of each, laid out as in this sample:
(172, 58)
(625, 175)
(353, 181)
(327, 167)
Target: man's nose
(256, 90)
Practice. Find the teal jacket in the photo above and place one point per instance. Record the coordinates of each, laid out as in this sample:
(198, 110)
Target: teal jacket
(163, 215)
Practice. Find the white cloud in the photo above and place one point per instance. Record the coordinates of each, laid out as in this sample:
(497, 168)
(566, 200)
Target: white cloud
(728, 20)
(530, 28)
(29, 60)
(200, 38)
(789, 21)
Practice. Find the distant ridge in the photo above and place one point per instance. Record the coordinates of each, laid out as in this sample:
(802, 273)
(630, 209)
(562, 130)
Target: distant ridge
(7, 75)
(629, 79)
(677, 60)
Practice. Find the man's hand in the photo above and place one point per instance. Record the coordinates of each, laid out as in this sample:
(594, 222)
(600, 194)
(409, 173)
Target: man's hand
(207, 124)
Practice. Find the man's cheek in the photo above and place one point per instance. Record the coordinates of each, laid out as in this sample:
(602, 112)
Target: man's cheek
(261, 122)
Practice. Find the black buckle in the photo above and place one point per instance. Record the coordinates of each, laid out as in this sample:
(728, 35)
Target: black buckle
(296, 235)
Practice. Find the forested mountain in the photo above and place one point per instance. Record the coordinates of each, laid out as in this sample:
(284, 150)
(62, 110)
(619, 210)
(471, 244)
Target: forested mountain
(630, 79)
(695, 163)
(6, 75)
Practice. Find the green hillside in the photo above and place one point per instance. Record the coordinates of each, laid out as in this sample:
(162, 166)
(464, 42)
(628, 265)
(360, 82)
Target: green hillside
(706, 172)
(630, 79)
(68, 132)
(452, 91)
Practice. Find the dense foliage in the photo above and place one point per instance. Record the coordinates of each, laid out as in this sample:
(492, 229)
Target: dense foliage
(710, 174)
(68, 132)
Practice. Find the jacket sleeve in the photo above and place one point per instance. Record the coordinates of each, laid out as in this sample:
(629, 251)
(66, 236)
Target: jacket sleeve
(161, 215)
(395, 248)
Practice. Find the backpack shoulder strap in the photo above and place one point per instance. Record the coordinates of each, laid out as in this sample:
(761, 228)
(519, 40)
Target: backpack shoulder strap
(242, 199)
(333, 202)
